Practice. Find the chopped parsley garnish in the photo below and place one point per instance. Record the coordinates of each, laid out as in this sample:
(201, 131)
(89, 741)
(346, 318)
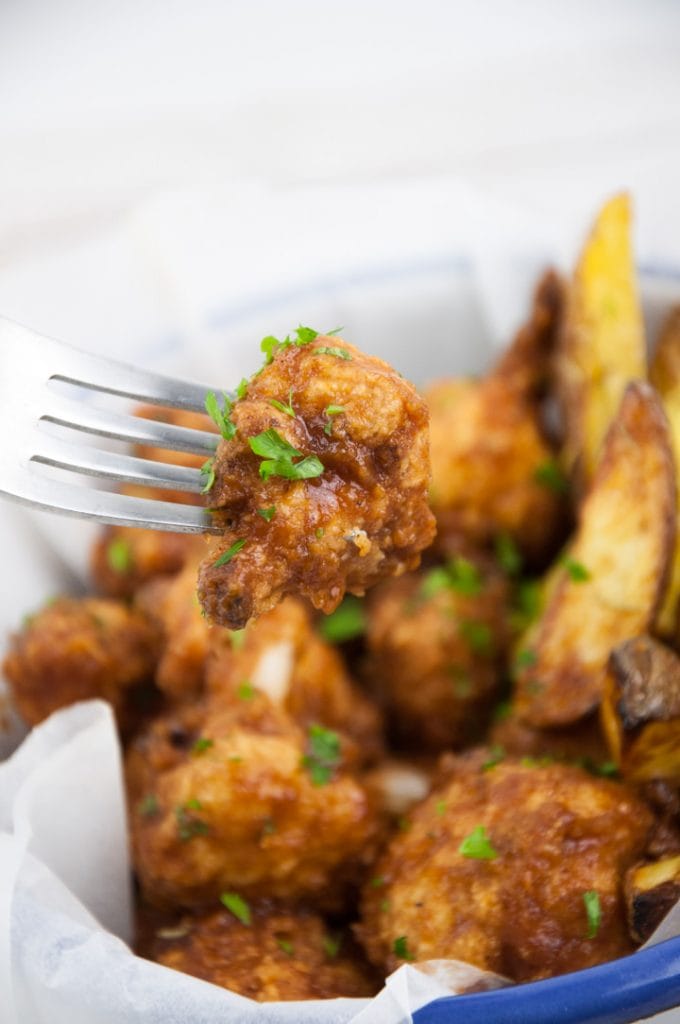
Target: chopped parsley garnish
(282, 407)
(459, 575)
(286, 946)
(271, 345)
(319, 532)
(526, 603)
(535, 686)
(551, 476)
(246, 690)
(305, 335)
(462, 681)
(278, 457)
(576, 570)
(593, 911)
(268, 827)
(478, 636)
(536, 762)
(496, 755)
(502, 711)
(237, 906)
(119, 555)
(508, 554)
(525, 659)
(227, 556)
(336, 330)
(345, 623)
(324, 754)
(377, 882)
(267, 513)
(478, 846)
(332, 350)
(201, 745)
(331, 945)
(220, 417)
(606, 768)
(148, 806)
(238, 638)
(242, 388)
(400, 947)
(330, 411)
(440, 808)
(188, 825)
(208, 471)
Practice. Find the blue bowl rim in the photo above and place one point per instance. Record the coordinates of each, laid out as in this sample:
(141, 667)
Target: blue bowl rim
(617, 992)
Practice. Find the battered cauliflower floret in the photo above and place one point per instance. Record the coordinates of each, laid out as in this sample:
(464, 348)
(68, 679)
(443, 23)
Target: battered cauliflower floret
(241, 798)
(75, 650)
(493, 471)
(435, 645)
(514, 869)
(335, 498)
(271, 953)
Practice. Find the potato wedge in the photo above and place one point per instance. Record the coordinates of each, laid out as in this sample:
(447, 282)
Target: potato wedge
(650, 890)
(491, 464)
(602, 345)
(609, 586)
(664, 374)
(641, 710)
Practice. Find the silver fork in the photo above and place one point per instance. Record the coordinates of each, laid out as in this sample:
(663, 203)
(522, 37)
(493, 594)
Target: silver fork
(28, 361)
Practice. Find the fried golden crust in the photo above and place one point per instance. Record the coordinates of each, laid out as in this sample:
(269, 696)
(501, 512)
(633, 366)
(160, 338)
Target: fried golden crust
(75, 650)
(364, 518)
(282, 954)
(557, 833)
(435, 661)
(624, 544)
(487, 445)
(283, 657)
(243, 811)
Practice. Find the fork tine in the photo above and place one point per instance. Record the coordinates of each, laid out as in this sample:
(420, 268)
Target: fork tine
(133, 429)
(111, 466)
(30, 488)
(65, 363)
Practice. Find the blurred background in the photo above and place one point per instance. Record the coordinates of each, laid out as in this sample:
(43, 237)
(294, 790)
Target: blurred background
(169, 167)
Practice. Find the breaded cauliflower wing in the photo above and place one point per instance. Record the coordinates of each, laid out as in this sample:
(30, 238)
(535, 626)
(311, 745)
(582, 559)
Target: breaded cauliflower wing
(322, 488)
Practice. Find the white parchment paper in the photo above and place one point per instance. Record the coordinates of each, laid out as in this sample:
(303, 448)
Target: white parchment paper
(432, 277)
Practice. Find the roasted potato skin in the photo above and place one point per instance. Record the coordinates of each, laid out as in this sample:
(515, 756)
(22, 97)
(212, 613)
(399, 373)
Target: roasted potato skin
(77, 649)
(641, 710)
(243, 813)
(624, 543)
(488, 445)
(601, 346)
(557, 833)
(364, 518)
(437, 687)
(651, 891)
(283, 953)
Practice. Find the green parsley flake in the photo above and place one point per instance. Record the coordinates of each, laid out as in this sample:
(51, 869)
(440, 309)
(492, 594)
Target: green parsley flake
(288, 409)
(593, 911)
(508, 554)
(324, 754)
(496, 755)
(330, 411)
(278, 457)
(525, 659)
(188, 825)
(208, 470)
(148, 806)
(246, 691)
(576, 571)
(319, 532)
(377, 882)
(345, 623)
(228, 555)
(478, 846)
(336, 330)
(119, 556)
(220, 417)
(502, 711)
(551, 476)
(326, 350)
(237, 906)
(526, 603)
(331, 945)
(400, 947)
(238, 638)
(440, 808)
(286, 946)
(268, 827)
(478, 636)
(606, 768)
(201, 745)
(242, 388)
(271, 345)
(459, 575)
(267, 513)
